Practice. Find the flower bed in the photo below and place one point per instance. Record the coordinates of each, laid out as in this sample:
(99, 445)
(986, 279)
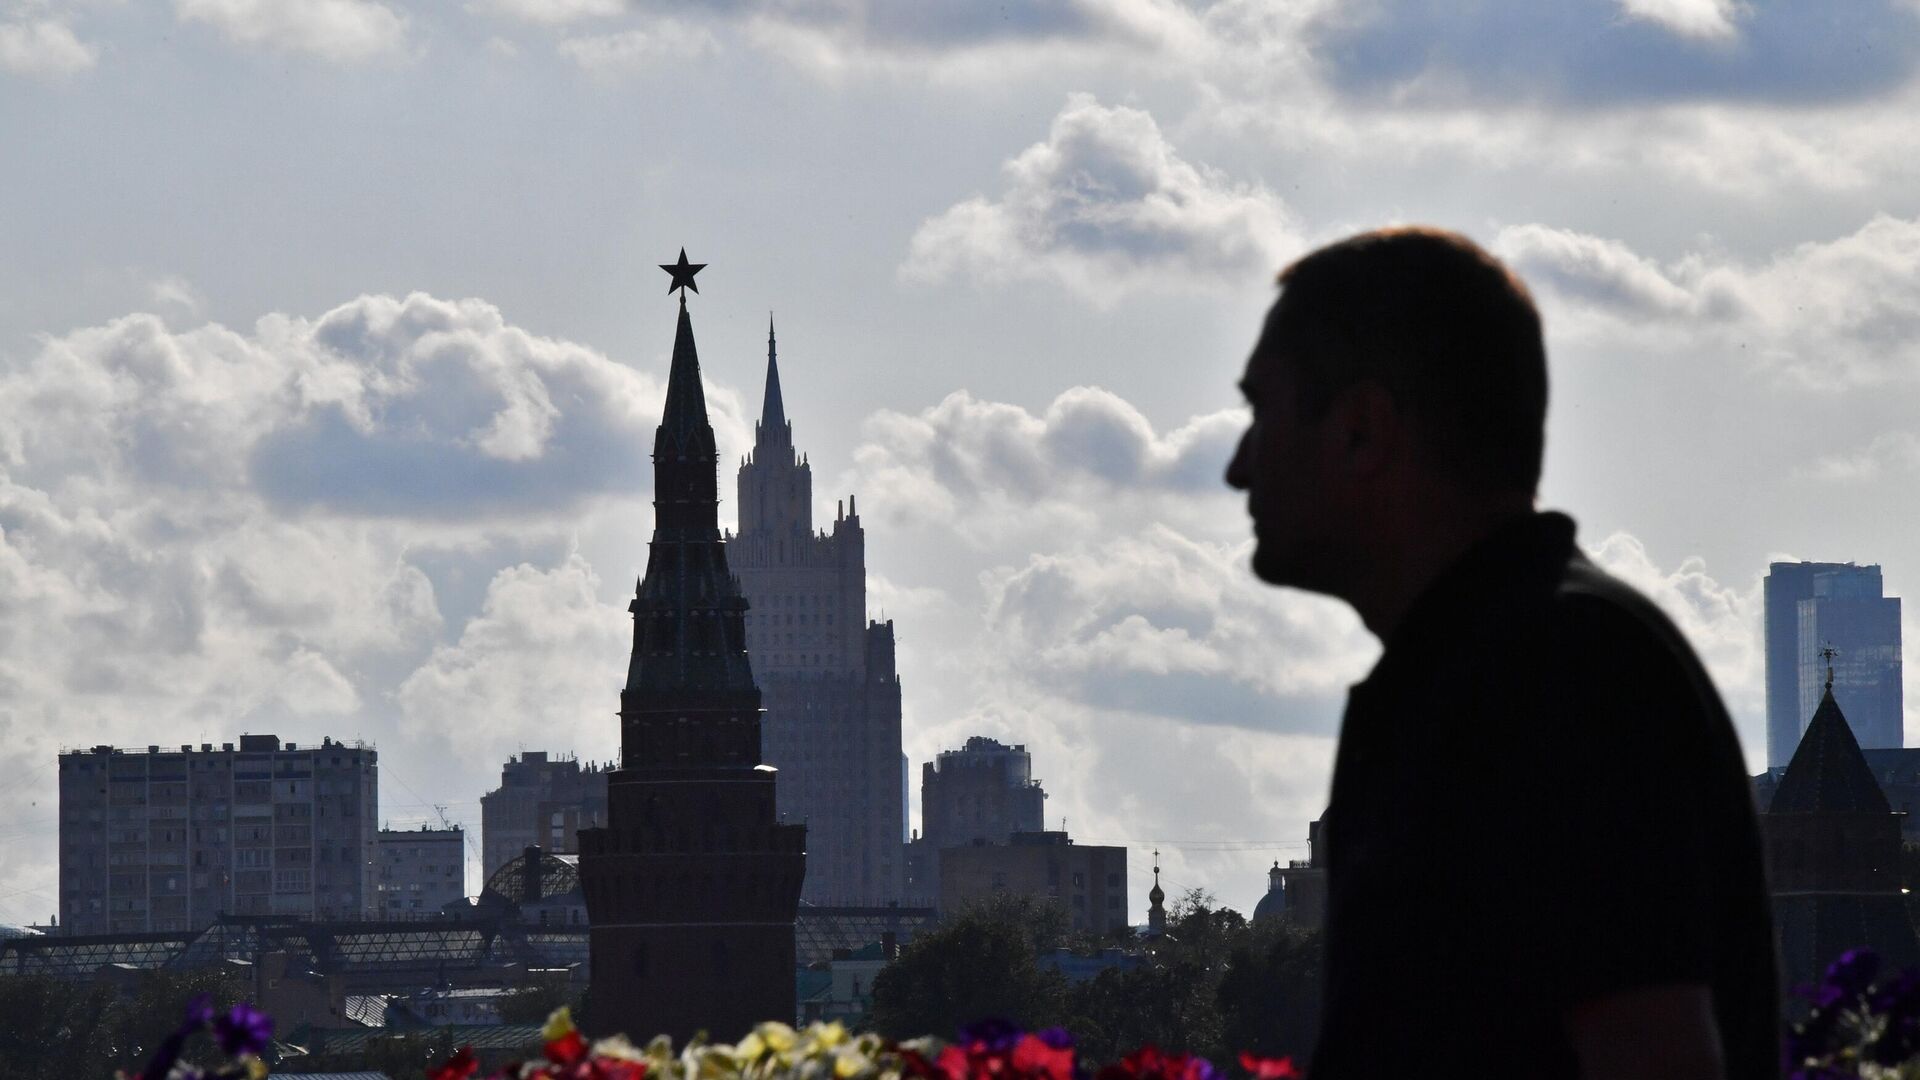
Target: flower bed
(1858, 1025)
(989, 1050)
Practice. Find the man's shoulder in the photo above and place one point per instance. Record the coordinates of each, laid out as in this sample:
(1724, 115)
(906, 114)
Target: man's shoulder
(1588, 605)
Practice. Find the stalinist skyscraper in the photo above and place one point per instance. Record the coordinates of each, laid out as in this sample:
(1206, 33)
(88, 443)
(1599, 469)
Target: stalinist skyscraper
(826, 673)
(692, 886)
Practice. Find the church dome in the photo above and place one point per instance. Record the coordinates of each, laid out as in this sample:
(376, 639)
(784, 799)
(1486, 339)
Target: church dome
(535, 876)
(1272, 905)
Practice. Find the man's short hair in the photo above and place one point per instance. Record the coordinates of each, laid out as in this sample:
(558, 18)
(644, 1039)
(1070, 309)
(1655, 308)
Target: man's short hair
(1444, 326)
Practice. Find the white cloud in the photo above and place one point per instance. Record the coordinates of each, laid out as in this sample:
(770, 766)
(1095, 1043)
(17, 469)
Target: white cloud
(633, 50)
(1601, 55)
(549, 12)
(346, 31)
(1155, 623)
(1828, 314)
(44, 49)
(1893, 452)
(385, 405)
(1591, 268)
(981, 467)
(1104, 207)
(1711, 20)
(544, 655)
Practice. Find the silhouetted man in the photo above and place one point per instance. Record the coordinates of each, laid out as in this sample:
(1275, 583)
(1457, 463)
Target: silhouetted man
(1543, 859)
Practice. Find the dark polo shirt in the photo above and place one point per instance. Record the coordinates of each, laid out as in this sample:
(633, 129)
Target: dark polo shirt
(1538, 800)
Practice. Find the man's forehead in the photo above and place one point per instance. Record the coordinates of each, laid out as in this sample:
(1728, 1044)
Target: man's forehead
(1267, 361)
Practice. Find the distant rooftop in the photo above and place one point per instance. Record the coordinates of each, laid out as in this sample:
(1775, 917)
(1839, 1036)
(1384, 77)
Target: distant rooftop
(249, 744)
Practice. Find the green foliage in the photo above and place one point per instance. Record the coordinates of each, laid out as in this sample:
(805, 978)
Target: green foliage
(1213, 985)
(56, 1029)
(1269, 997)
(984, 961)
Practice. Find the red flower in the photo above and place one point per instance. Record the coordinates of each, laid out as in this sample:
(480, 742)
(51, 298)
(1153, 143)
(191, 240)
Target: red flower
(1271, 1068)
(606, 1068)
(568, 1049)
(1032, 1057)
(1151, 1063)
(458, 1067)
(953, 1063)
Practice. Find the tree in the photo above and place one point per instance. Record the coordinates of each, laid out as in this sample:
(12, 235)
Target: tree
(61, 1029)
(1269, 998)
(982, 962)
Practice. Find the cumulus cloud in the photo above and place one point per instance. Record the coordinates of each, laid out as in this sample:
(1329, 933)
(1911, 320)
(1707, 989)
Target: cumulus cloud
(831, 37)
(44, 48)
(549, 12)
(1890, 453)
(1106, 206)
(544, 654)
(1709, 19)
(633, 50)
(1827, 313)
(946, 461)
(345, 31)
(1591, 269)
(1156, 623)
(385, 405)
(1600, 55)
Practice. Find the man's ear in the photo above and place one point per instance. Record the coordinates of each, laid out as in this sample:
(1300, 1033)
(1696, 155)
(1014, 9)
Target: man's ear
(1366, 427)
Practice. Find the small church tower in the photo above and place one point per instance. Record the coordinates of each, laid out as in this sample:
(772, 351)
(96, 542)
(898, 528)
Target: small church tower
(1156, 903)
(1833, 852)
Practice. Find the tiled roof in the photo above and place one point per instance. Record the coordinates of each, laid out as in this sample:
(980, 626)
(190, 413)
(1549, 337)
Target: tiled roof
(1828, 773)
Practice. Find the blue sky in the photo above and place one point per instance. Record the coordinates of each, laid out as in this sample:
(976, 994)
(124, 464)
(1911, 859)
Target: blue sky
(331, 343)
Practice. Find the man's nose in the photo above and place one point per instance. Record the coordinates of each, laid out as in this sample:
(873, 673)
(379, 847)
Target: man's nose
(1237, 477)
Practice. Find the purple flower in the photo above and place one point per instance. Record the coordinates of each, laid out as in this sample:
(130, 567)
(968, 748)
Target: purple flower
(995, 1034)
(1812, 1037)
(1853, 973)
(199, 1013)
(1058, 1038)
(243, 1030)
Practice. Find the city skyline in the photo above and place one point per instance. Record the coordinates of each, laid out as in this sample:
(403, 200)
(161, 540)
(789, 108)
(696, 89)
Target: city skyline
(331, 347)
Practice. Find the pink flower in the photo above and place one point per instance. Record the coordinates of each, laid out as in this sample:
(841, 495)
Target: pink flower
(1271, 1068)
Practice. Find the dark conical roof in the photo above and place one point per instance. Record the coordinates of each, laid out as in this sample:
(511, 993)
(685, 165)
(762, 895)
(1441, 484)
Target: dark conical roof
(686, 409)
(1828, 772)
(773, 410)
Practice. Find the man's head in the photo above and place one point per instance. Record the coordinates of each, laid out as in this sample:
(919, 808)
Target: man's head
(1400, 373)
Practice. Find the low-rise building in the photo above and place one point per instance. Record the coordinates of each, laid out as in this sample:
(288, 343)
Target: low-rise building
(164, 840)
(541, 802)
(1089, 882)
(418, 872)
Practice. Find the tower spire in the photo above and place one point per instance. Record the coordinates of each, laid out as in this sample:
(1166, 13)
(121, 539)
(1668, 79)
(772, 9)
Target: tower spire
(1156, 912)
(686, 409)
(773, 426)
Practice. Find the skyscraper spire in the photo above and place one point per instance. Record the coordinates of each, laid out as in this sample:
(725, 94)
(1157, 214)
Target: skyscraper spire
(773, 428)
